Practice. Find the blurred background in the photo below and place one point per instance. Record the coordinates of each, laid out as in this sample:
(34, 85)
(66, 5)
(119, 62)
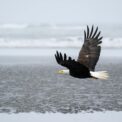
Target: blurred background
(54, 23)
(30, 33)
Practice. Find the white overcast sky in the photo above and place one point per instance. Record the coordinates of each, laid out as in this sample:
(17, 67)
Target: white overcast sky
(60, 11)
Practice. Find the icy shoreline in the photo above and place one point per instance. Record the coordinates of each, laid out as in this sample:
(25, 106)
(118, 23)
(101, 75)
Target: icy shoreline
(109, 116)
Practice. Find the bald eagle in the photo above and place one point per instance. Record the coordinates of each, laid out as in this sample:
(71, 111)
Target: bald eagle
(84, 66)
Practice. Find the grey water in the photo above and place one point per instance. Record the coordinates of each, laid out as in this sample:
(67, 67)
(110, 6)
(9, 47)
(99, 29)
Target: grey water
(29, 83)
(55, 35)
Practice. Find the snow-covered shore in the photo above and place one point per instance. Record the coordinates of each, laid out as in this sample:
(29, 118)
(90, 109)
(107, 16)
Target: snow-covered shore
(58, 117)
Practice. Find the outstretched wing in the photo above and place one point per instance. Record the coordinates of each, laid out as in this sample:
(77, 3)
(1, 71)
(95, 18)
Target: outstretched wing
(90, 51)
(68, 62)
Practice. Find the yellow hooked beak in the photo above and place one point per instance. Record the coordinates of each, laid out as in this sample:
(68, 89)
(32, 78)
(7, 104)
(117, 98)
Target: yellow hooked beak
(60, 72)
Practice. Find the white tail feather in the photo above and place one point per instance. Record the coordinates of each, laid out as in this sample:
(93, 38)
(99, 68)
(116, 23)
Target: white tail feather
(100, 74)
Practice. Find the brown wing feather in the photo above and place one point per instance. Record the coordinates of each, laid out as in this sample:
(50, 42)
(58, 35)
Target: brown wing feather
(68, 62)
(90, 51)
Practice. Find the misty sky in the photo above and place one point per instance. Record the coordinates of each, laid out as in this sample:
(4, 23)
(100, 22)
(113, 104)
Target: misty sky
(60, 11)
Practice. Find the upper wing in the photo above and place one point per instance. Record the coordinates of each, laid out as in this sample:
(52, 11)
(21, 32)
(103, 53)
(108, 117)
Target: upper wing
(68, 62)
(90, 51)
